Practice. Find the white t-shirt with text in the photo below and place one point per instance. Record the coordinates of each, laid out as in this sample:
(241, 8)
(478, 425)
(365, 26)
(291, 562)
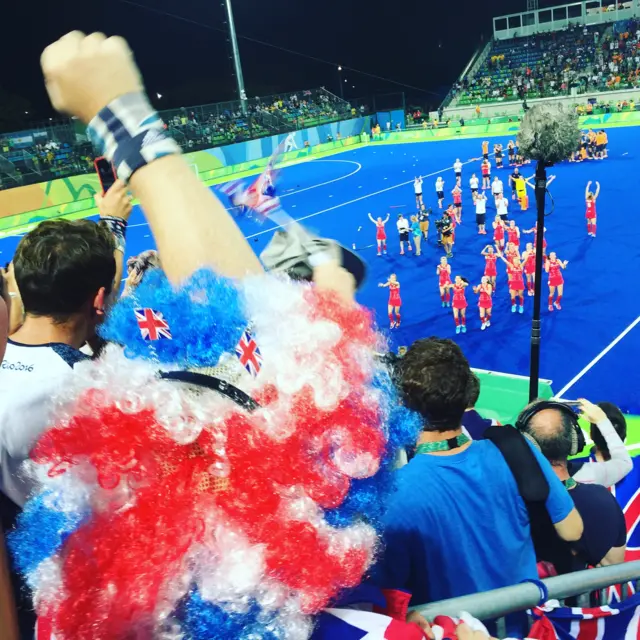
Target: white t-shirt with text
(29, 377)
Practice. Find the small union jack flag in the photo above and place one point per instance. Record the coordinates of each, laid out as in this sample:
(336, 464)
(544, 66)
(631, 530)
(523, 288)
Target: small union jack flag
(249, 354)
(152, 325)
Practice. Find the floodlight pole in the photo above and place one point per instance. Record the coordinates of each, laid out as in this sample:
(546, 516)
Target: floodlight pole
(541, 192)
(242, 94)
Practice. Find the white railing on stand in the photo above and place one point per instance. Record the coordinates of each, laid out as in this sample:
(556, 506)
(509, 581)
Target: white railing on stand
(587, 12)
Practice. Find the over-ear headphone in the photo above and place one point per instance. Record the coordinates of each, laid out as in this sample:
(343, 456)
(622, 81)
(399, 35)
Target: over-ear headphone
(578, 441)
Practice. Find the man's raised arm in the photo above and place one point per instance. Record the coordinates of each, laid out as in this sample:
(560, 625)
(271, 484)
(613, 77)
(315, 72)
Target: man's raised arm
(96, 79)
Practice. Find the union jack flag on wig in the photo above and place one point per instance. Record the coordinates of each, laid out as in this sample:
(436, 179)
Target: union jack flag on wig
(249, 354)
(152, 325)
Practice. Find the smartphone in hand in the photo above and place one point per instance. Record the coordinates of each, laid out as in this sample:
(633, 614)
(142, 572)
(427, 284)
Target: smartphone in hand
(106, 173)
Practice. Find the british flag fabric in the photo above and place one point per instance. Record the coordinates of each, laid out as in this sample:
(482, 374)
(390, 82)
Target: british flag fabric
(352, 624)
(621, 622)
(627, 492)
(152, 325)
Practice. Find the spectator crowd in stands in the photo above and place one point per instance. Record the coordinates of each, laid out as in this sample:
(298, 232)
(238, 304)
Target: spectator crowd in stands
(593, 58)
(62, 154)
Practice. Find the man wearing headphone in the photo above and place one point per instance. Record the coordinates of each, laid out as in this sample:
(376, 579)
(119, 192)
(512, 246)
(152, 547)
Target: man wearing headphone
(553, 427)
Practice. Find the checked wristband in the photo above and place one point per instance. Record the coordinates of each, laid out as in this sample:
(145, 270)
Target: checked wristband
(130, 134)
(118, 228)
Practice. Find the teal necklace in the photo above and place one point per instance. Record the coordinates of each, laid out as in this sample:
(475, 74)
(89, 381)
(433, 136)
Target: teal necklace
(443, 445)
(569, 484)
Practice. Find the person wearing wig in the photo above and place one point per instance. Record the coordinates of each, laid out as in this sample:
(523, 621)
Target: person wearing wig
(219, 471)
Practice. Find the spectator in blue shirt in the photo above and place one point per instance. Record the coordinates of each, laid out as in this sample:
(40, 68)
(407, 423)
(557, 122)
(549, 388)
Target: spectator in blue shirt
(457, 524)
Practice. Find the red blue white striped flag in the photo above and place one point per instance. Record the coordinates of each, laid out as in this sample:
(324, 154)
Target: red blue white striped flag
(353, 624)
(621, 622)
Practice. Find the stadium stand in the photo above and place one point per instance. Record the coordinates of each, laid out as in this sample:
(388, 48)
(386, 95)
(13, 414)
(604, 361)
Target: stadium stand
(57, 151)
(577, 60)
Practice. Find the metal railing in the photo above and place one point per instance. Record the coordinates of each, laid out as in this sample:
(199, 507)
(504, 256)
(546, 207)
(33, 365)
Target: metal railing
(585, 12)
(498, 603)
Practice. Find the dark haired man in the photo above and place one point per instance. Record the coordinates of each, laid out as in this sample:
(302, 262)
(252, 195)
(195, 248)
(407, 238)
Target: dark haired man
(457, 524)
(65, 273)
(603, 541)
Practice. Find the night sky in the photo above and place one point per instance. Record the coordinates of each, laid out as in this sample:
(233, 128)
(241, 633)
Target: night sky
(424, 44)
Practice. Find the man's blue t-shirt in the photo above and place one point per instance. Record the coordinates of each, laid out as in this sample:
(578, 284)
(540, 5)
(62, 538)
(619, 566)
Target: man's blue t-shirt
(457, 525)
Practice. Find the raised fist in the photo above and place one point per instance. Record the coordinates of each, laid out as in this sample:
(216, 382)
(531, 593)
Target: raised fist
(83, 74)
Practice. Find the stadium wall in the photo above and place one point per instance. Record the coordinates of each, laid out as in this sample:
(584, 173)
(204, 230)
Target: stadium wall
(394, 118)
(472, 130)
(514, 107)
(74, 195)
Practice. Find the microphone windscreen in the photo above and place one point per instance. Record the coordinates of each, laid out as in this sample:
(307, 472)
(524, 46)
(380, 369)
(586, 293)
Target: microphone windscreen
(549, 133)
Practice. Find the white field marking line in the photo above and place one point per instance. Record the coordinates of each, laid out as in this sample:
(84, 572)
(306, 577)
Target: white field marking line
(375, 193)
(293, 193)
(597, 359)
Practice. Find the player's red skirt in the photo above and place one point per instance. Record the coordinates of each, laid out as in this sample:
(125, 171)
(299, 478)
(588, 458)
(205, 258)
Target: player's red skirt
(490, 270)
(498, 234)
(517, 284)
(460, 303)
(395, 301)
(444, 279)
(380, 234)
(530, 266)
(485, 301)
(556, 281)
